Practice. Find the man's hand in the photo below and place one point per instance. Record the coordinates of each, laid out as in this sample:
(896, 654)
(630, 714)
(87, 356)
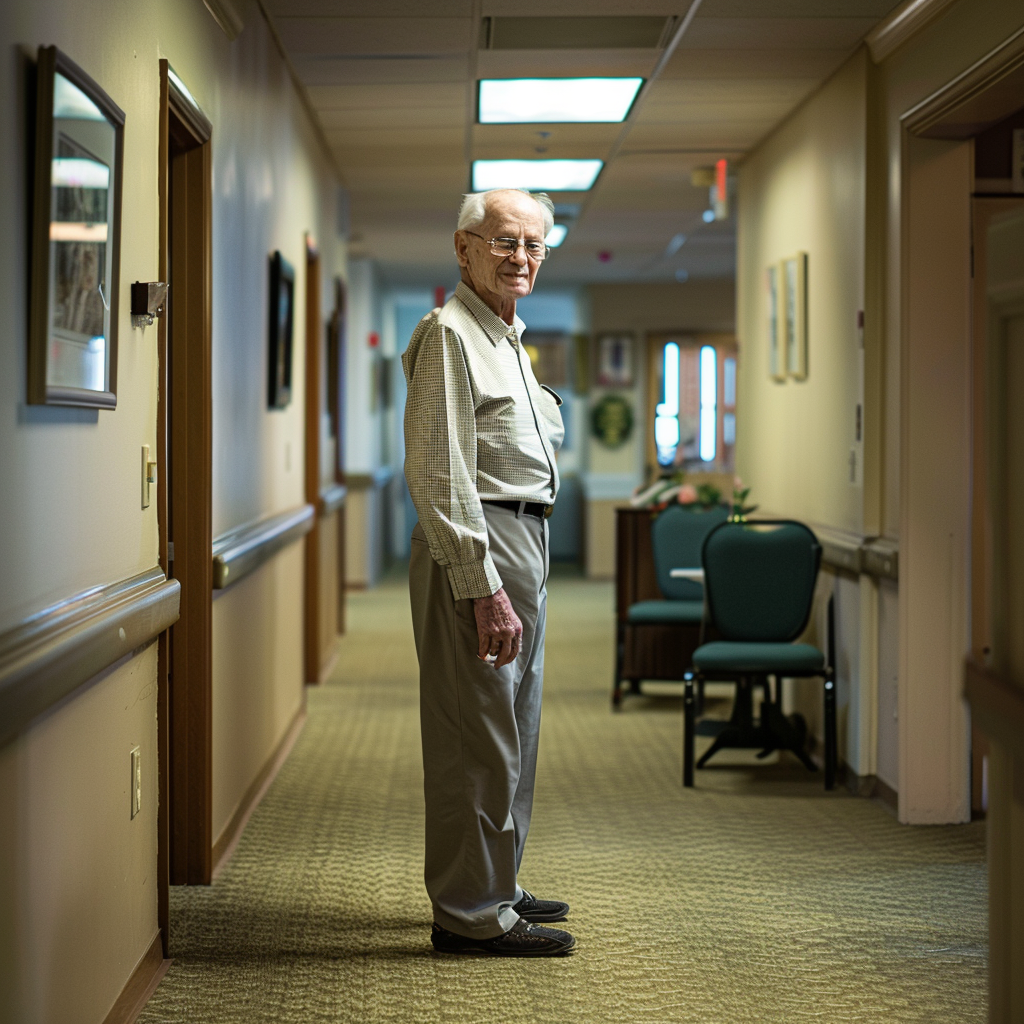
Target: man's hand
(498, 627)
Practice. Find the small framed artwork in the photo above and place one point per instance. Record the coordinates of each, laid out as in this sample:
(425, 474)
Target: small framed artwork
(776, 358)
(794, 308)
(615, 361)
(282, 318)
(76, 238)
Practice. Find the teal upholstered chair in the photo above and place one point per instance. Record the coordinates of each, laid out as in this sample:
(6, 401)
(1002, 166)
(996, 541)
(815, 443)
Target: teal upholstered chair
(677, 537)
(759, 581)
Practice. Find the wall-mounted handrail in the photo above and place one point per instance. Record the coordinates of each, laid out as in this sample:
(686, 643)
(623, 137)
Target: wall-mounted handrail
(239, 551)
(332, 498)
(997, 705)
(47, 656)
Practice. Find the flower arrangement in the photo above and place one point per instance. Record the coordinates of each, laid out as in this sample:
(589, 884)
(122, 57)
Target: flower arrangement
(740, 509)
(673, 489)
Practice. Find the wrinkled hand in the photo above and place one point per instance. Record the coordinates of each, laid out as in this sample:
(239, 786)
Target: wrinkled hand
(498, 627)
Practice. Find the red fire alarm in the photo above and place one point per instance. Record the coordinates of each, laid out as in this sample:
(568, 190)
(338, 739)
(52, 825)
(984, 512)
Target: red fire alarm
(604, 256)
(439, 293)
(374, 339)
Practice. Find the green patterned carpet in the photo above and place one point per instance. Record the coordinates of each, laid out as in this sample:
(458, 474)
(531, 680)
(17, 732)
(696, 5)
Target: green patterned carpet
(754, 897)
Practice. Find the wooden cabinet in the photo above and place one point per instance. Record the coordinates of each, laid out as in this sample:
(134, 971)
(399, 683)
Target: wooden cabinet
(644, 652)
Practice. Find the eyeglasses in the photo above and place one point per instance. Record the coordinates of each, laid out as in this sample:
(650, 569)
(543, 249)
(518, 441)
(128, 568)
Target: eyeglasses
(505, 247)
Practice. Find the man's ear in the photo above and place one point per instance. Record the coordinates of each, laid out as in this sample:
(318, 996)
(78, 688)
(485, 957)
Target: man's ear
(461, 247)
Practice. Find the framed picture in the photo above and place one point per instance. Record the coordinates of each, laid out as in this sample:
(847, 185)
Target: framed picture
(282, 318)
(548, 352)
(76, 238)
(615, 361)
(794, 310)
(776, 356)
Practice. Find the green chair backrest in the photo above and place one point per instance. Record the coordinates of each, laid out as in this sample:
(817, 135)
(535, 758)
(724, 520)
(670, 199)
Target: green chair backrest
(760, 579)
(677, 537)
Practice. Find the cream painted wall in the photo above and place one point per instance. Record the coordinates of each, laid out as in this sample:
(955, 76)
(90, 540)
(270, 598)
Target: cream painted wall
(803, 190)
(257, 672)
(78, 886)
(77, 877)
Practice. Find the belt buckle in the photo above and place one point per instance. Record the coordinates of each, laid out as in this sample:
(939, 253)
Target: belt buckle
(548, 509)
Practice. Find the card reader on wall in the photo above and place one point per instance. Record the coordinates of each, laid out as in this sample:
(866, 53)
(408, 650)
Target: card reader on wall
(148, 301)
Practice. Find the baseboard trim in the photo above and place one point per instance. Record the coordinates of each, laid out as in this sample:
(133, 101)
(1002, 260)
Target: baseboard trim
(871, 787)
(328, 666)
(141, 985)
(225, 844)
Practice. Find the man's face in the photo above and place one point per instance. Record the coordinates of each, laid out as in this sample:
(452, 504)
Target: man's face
(509, 215)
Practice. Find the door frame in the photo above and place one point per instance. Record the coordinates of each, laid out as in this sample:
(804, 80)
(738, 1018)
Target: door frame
(313, 641)
(184, 464)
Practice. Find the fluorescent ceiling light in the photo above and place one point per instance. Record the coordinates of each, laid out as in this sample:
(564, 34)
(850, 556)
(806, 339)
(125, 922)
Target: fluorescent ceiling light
(556, 236)
(556, 100)
(78, 172)
(538, 175)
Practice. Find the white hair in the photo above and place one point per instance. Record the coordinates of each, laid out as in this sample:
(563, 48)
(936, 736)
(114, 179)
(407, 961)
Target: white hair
(473, 210)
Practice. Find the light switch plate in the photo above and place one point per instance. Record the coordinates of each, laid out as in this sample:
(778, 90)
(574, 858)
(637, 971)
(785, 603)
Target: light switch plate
(136, 758)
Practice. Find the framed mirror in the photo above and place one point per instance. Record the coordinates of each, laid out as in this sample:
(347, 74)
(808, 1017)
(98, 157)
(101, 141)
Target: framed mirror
(76, 238)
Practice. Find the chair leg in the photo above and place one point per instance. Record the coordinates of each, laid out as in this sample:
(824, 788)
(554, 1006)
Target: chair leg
(830, 731)
(689, 716)
(620, 654)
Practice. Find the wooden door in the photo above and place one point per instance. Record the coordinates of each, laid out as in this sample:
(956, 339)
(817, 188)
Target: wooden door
(184, 489)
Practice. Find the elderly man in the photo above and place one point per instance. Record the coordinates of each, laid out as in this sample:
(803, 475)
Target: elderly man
(480, 437)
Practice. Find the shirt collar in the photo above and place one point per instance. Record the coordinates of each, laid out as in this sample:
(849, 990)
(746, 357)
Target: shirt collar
(494, 327)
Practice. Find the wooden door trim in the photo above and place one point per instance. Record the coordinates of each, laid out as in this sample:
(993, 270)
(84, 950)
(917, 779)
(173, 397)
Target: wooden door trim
(312, 640)
(983, 209)
(185, 852)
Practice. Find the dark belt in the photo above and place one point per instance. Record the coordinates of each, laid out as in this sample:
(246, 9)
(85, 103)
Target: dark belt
(525, 508)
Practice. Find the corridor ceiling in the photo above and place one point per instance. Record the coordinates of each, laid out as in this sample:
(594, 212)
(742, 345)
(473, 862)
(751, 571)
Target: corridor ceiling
(393, 83)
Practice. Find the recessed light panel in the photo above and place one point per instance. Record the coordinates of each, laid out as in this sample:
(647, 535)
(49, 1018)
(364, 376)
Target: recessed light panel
(536, 175)
(556, 236)
(556, 100)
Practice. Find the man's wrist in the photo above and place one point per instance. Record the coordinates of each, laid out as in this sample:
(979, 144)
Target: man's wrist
(472, 580)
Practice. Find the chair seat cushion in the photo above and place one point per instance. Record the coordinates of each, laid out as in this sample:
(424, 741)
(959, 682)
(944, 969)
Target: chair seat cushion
(729, 655)
(665, 612)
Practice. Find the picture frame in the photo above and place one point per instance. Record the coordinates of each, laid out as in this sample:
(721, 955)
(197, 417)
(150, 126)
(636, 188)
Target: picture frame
(76, 238)
(794, 314)
(280, 331)
(614, 361)
(776, 353)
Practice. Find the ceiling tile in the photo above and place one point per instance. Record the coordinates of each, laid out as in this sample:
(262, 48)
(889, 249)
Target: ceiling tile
(775, 33)
(726, 90)
(559, 141)
(369, 145)
(370, 8)
(573, 8)
(403, 118)
(403, 96)
(355, 70)
(375, 36)
(719, 136)
(753, 63)
(874, 9)
(565, 63)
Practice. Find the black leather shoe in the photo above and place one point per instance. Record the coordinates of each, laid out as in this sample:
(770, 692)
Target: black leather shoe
(534, 909)
(522, 939)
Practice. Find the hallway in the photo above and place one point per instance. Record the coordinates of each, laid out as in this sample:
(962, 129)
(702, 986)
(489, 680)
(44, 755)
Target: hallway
(754, 897)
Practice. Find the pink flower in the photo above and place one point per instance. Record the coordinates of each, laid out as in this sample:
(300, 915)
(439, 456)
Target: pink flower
(687, 494)
(737, 482)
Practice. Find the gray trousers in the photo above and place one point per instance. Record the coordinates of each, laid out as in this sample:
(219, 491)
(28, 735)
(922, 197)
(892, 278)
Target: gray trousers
(479, 729)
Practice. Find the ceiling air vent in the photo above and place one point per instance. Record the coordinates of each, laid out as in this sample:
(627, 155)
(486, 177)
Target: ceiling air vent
(616, 33)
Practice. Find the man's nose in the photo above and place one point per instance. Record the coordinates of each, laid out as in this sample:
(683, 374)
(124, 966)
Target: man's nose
(519, 256)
